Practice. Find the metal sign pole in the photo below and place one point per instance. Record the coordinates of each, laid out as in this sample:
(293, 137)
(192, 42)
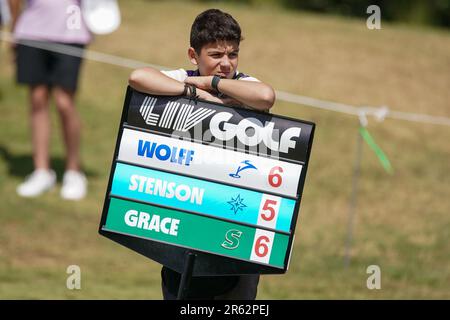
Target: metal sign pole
(186, 275)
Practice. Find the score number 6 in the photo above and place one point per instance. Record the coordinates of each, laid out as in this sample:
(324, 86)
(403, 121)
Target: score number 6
(274, 177)
(267, 216)
(262, 245)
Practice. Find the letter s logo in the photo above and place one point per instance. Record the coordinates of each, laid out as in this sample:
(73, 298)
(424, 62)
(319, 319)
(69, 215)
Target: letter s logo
(232, 239)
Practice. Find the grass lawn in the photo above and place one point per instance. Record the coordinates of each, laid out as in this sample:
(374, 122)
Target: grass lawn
(402, 220)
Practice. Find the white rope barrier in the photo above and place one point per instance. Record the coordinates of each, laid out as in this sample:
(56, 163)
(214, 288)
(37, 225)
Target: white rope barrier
(379, 113)
(83, 53)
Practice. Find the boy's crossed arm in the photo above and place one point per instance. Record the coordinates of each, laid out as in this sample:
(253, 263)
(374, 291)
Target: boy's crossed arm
(256, 95)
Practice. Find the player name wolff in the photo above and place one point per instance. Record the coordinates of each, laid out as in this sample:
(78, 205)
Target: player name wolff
(163, 152)
(182, 117)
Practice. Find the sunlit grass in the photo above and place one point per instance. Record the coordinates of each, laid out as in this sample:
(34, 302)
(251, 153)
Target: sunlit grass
(402, 222)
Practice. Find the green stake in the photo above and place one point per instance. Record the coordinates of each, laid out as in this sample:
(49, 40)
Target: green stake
(379, 153)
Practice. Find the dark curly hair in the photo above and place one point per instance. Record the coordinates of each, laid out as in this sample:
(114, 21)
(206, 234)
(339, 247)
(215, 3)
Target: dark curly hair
(214, 25)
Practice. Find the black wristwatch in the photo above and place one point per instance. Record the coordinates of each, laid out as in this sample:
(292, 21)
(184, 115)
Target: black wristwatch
(215, 83)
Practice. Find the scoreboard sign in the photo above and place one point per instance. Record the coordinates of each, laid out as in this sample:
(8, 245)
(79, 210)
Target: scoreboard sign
(191, 175)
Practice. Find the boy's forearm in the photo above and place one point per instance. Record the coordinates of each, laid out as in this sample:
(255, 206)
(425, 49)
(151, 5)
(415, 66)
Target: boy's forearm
(152, 81)
(251, 93)
(254, 94)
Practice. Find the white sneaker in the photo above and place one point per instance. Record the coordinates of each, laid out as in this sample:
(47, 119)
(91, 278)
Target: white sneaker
(39, 181)
(74, 185)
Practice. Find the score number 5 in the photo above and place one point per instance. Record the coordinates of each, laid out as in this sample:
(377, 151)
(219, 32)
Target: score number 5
(267, 216)
(268, 211)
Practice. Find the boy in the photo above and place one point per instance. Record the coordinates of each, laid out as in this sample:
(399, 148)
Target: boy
(214, 50)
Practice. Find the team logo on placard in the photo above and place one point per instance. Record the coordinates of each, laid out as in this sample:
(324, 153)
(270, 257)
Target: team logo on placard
(176, 116)
(246, 165)
(232, 239)
(146, 109)
(249, 131)
(237, 204)
(222, 129)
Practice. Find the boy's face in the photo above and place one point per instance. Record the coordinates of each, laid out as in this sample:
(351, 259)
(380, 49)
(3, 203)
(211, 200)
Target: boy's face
(220, 58)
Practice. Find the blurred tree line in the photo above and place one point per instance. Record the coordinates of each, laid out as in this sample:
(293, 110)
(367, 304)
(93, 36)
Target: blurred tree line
(428, 12)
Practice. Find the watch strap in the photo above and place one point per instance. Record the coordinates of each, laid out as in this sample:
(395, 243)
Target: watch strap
(215, 82)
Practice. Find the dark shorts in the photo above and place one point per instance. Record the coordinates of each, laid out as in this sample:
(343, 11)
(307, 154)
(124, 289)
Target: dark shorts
(38, 66)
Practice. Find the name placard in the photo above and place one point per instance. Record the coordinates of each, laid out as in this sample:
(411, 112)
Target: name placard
(193, 175)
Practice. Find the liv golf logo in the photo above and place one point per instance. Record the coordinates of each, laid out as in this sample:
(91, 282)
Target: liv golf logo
(176, 116)
(252, 132)
(172, 116)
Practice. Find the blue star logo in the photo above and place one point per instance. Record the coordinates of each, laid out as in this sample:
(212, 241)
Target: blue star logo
(237, 204)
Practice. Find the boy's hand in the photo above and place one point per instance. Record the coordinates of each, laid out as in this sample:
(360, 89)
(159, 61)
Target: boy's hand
(247, 94)
(206, 95)
(205, 92)
(202, 82)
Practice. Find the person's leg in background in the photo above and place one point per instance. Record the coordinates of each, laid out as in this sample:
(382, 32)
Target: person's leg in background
(40, 125)
(71, 126)
(74, 181)
(32, 71)
(42, 178)
(66, 70)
